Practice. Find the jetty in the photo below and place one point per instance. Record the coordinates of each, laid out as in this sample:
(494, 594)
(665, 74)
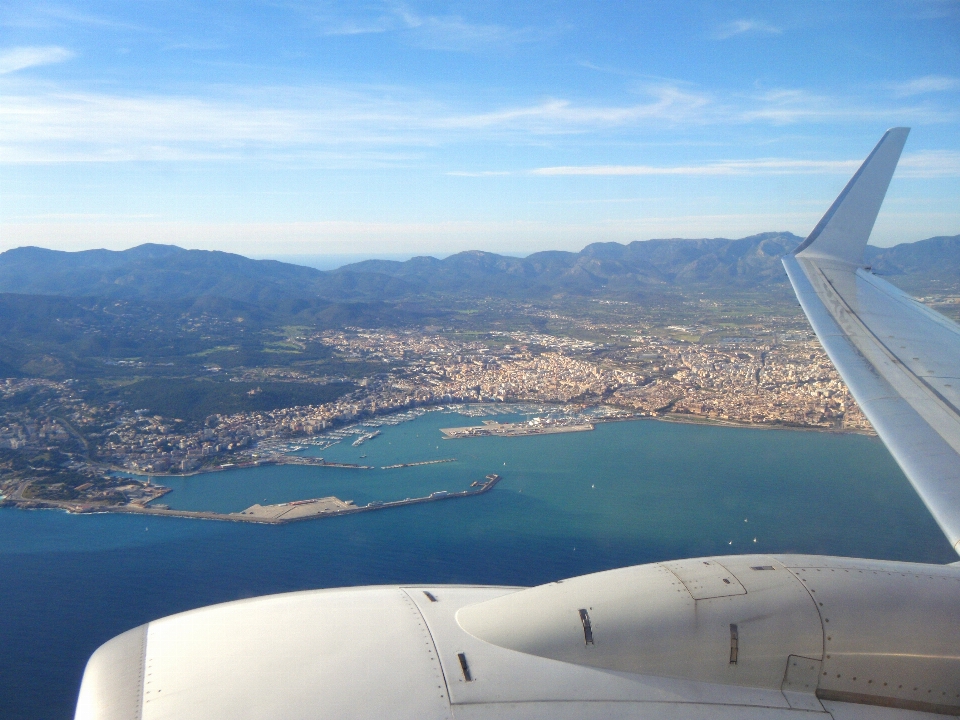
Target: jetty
(312, 461)
(537, 426)
(274, 459)
(298, 509)
(417, 464)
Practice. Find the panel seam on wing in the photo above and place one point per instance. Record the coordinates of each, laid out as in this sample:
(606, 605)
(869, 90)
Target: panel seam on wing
(433, 643)
(951, 412)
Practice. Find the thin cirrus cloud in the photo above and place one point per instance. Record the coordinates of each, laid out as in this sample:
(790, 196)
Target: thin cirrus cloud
(352, 27)
(788, 106)
(924, 164)
(66, 126)
(456, 34)
(926, 84)
(745, 27)
(559, 116)
(21, 58)
(120, 127)
(765, 166)
(435, 32)
(379, 125)
(930, 164)
(43, 15)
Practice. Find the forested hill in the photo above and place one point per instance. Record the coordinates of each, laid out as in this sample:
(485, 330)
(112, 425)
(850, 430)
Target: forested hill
(167, 272)
(610, 267)
(922, 267)
(745, 264)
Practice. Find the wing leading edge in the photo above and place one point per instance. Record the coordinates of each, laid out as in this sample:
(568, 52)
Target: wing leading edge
(900, 359)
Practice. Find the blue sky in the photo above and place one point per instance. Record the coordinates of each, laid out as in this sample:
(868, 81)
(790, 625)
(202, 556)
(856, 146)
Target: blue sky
(400, 128)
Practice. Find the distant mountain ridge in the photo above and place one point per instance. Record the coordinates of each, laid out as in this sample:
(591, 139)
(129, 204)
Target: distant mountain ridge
(609, 266)
(167, 272)
(920, 266)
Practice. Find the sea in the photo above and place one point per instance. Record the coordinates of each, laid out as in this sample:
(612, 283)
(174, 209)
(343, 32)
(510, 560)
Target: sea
(625, 493)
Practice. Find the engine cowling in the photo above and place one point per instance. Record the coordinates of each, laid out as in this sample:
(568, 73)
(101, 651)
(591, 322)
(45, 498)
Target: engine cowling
(873, 632)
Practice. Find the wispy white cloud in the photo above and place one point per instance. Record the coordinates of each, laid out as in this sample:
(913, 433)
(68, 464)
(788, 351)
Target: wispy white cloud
(930, 164)
(787, 106)
(745, 27)
(925, 84)
(50, 126)
(90, 127)
(432, 32)
(452, 32)
(21, 58)
(382, 18)
(46, 15)
(765, 166)
(666, 103)
(351, 27)
(924, 164)
(479, 173)
(605, 69)
(370, 125)
(196, 44)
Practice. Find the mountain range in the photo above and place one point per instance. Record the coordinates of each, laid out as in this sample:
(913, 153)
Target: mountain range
(166, 272)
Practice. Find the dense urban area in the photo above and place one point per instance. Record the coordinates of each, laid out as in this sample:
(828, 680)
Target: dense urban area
(123, 367)
(62, 443)
(116, 367)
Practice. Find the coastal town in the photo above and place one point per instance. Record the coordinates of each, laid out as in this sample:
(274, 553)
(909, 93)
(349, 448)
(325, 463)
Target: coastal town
(58, 445)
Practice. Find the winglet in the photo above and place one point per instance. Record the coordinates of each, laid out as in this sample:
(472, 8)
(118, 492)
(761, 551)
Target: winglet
(843, 232)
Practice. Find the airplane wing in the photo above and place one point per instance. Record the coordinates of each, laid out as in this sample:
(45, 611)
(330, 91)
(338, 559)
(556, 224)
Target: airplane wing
(900, 359)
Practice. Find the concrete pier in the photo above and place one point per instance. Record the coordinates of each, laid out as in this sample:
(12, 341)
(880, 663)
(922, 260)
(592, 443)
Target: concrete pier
(532, 427)
(300, 509)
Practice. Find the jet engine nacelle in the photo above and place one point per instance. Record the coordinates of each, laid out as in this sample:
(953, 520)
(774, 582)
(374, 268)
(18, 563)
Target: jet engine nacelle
(705, 638)
(851, 630)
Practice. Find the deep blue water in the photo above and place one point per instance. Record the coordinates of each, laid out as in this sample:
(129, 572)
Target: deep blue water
(626, 493)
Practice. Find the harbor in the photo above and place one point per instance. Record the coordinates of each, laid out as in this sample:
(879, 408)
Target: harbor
(317, 472)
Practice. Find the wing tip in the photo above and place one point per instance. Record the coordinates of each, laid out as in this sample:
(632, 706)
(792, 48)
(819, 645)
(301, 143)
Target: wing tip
(863, 195)
(899, 133)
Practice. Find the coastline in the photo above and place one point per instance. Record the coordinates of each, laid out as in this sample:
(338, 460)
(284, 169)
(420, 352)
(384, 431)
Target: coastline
(281, 453)
(701, 420)
(278, 514)
(683, 418)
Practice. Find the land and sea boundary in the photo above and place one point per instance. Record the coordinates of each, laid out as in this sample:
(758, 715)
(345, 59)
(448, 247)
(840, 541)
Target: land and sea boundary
(119, 490)
(537, 426)
(281, 513)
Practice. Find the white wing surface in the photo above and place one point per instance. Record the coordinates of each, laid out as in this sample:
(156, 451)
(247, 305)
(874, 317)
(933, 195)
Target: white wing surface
(900, 359)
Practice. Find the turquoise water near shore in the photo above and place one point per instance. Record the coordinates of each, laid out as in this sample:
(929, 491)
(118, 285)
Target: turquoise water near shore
(415, 441)
(568, 504)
